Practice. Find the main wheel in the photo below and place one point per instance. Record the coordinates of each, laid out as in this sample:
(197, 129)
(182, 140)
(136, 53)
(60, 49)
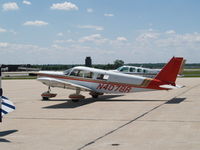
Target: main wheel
(95, 95)
(75, 100)
(45, 98)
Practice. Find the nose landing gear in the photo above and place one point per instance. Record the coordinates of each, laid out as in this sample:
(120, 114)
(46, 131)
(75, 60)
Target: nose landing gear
(46, 95)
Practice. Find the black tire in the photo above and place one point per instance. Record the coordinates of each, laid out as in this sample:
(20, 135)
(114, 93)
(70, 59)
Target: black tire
(75, 100)
(95, 96)
(45, 98)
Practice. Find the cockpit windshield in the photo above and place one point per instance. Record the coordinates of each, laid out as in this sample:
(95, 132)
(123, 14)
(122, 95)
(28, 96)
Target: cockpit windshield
(123, 69)
(66, 72)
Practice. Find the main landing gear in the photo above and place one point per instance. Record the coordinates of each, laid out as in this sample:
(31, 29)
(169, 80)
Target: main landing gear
(46, 95)
(95, 94)
(76, 96)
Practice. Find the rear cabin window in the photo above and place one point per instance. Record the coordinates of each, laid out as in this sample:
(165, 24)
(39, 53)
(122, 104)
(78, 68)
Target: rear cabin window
(88, 74)
(139, 70)
(82, 73)
(132, 69)
(102, 77)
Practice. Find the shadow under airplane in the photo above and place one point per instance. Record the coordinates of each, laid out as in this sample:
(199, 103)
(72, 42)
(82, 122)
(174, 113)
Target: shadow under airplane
(5, 133)
(175, 100)
(105, 98)
(70, 104)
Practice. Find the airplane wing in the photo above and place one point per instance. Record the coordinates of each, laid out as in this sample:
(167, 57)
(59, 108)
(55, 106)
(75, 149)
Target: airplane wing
(62, 84)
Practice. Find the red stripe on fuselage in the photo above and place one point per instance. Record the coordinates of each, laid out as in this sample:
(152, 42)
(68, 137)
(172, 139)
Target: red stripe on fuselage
(143, 85)
(155, 84)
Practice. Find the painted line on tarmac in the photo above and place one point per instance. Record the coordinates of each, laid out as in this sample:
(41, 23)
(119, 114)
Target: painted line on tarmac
(133, 120)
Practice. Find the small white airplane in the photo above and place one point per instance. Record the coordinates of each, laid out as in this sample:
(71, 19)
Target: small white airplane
(133, 70)
(97, 81)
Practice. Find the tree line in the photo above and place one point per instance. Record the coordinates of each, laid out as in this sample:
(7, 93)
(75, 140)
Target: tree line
(117, 63)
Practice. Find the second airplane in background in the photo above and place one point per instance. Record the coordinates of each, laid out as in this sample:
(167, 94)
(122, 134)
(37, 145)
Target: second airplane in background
(133, 70)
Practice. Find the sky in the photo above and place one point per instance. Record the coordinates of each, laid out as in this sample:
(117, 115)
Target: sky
(65, 32)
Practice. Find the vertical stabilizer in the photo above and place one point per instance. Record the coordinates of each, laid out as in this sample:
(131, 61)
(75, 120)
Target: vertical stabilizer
(171, 70)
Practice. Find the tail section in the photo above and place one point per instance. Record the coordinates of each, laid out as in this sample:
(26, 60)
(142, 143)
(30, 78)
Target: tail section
(170, 71)
(182, 67)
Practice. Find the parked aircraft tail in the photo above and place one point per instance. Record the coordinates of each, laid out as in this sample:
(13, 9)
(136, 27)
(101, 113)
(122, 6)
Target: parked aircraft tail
(170, 71)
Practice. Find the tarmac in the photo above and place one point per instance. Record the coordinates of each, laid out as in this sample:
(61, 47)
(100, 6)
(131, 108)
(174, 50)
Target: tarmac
(167, 120)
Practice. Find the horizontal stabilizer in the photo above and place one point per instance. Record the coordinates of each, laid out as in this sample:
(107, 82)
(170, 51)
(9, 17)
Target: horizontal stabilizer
(6, 105)
(167, 86)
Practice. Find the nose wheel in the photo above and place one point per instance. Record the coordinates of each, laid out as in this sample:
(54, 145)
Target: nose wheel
(47, 95)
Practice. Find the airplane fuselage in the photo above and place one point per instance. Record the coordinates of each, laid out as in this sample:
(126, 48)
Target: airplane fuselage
(97, 81)
(101, 81)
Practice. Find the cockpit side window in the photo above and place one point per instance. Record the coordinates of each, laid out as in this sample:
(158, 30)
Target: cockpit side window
(66, 72)
(139, 70)
(82, 73)
(132, 69)
(74, 72)
(88, 74)
(102, 77)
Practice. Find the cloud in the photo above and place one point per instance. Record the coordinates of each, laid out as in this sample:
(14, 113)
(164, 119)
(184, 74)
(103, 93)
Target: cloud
(106, 50)
(170, 32)
(64, 6)
(2, 30)
(13, 32)
(95, 38)
(35, 23)
(64, 41)
(90, 10)
(109, 15)
(60, 34)
(26, 2)
(10, 6)
(3, 44)
(147, 36)
(164, 45)
(179, 40)
(99, 28)
(121, 38)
